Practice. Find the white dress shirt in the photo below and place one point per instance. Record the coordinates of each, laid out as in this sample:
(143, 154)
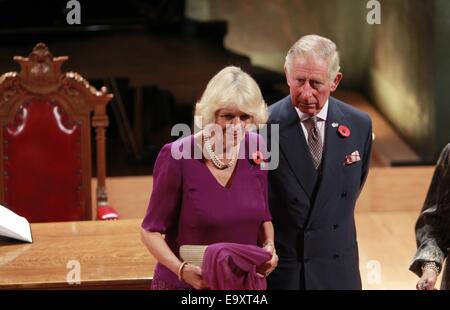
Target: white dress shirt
(321, 120)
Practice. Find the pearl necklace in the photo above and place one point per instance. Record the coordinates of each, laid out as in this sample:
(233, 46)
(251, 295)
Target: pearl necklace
(215, 160)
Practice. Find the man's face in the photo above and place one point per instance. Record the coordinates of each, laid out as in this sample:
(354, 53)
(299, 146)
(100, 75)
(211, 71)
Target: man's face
(309, 84)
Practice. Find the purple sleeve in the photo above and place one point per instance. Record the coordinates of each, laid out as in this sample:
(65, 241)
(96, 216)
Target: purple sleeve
(165, 201)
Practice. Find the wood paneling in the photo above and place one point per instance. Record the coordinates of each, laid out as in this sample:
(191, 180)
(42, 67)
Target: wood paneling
(395, 189)
(386, 247)
(386, 189)
(128, 195)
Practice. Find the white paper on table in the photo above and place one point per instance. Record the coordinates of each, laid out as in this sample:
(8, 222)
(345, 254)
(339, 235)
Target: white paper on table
(14, 226)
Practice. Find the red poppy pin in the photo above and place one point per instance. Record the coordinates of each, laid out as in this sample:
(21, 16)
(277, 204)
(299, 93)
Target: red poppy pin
(344, 131)
(257, 158)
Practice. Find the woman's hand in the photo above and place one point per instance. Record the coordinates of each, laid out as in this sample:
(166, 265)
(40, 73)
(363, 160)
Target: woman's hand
(192, 275)
(265, 269)
(428, 280)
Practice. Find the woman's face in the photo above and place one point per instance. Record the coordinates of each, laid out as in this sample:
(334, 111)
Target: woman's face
(233, 123)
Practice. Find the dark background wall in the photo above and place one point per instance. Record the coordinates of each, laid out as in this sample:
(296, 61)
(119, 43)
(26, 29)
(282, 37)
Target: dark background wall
(402, 74)
(400, 64)
(265, 29)
(175, 46)
(441, 69)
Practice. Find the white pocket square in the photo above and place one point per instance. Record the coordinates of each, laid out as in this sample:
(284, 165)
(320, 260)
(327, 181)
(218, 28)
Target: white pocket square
(352, 158)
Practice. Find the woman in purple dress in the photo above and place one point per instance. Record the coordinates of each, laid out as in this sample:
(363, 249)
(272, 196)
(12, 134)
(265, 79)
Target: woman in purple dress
(220, 195)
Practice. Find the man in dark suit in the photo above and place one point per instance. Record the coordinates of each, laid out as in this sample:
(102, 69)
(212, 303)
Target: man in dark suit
(324, 154)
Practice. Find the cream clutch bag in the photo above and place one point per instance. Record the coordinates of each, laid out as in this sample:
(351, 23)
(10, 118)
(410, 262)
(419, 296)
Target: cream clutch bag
(193, 254)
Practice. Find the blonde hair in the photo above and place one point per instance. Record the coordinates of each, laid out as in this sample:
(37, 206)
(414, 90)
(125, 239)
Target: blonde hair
(231, 87)
(317, 46)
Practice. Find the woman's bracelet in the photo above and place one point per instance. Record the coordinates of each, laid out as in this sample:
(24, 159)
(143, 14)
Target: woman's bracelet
(432, 266)
(180, 271)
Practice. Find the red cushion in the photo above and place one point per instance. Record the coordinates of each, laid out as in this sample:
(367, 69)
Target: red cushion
(43, 165)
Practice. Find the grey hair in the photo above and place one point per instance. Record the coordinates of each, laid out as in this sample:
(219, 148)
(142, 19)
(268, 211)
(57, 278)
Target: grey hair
(316, 46)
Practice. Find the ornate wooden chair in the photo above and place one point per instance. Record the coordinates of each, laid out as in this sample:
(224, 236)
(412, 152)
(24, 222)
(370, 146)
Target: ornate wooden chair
(45, 141)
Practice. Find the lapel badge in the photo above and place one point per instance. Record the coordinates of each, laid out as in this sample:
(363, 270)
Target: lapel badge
(334, 125)
(344, 132)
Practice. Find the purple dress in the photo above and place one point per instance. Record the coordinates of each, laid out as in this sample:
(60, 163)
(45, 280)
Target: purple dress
(189, 206)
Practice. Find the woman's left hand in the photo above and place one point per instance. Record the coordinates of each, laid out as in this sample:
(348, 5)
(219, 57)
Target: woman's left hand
(265, 269)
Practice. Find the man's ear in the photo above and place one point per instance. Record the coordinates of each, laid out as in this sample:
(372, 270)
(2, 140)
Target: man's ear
(336, 81)
(287, 76)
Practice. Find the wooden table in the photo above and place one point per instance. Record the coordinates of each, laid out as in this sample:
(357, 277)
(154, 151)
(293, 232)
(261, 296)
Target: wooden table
(103, 255)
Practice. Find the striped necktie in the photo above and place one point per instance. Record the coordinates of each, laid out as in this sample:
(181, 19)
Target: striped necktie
(315, 141)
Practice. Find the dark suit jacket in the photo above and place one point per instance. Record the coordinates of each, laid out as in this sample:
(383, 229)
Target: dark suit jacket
(313, 213)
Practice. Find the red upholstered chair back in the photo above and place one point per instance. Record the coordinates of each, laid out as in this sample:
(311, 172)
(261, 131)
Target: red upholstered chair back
(45, 140)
